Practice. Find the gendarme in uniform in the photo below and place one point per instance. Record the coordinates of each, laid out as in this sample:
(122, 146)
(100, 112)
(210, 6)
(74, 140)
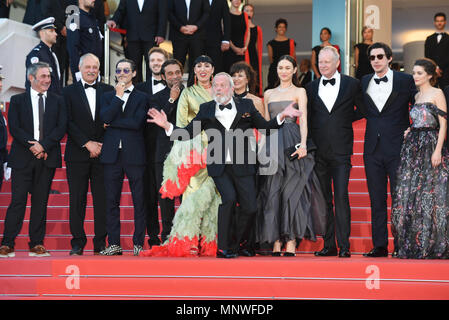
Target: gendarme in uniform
(43, 53)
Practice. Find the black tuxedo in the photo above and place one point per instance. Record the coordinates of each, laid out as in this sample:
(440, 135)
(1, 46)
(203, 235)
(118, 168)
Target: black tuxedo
(439, 52)
(150, 181)
(3, 149)
(30, 174)
(235, 182)
(383, 140)
(142, 28)
(81, 168)
(162, 146)
(334, 137)
(218, 29)
(446, 93)
(194, 44)
(125, 128)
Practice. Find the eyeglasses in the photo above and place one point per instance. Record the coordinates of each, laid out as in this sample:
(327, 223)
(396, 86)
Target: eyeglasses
(379, 57)
(125, 70)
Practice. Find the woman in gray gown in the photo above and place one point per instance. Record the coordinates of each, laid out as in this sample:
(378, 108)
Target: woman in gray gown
(291, 204)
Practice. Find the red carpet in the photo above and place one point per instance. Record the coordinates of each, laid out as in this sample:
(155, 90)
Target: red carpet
(301, 277)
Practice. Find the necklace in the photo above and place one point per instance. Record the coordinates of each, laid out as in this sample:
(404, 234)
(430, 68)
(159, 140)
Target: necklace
(284, 89)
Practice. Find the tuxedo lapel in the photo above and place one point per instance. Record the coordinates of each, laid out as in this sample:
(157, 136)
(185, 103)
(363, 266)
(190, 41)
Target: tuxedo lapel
(84, 100)
(365, 86)
(29, 111)
(315, 90)
(240, 112)
(98, 101)
(341, 92)
(394, 91)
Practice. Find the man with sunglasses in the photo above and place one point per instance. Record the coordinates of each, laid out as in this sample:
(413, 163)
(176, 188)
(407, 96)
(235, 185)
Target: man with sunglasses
(387, 95)
(123, 113)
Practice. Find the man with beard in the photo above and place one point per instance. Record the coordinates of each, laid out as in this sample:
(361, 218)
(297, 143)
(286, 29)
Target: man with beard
(153, 85)
(166, 100)
(229, 164)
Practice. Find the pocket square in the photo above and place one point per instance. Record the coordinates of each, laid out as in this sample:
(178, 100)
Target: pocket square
(246, 115)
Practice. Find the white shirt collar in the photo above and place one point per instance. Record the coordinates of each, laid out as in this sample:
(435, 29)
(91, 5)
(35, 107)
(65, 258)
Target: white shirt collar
(34, 93)
(389, 75)
(84, 82)
(336, 75)
(130, 88)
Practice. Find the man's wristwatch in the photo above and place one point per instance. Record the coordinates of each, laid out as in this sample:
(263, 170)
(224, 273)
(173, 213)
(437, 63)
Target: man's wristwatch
(171, 100)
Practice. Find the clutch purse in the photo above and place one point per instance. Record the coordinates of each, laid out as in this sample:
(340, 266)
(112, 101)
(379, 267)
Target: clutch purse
(288, 153)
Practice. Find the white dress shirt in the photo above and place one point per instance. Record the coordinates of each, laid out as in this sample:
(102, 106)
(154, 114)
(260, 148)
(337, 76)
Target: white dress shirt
(140, 3)
(188, 8)
(329, 93)
(125, 99)
(35, 106)
(379, 93)
(156, 88)
(91, 95)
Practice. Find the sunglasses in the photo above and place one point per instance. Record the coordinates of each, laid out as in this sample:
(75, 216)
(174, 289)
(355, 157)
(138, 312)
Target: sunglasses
(379, 57)
(125, 70)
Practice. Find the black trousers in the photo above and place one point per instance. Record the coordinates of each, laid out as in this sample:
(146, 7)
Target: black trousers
(333, 170)
(167, 205)
(113, 179)
(235, 189)
(136, 50)
(151, 197)
(79, 174)
(379, 168)
(36, 178)
(213, 50)
(193, 47)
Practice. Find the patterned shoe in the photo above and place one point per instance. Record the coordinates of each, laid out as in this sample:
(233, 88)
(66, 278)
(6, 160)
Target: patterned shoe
(39, 251)
(7, 252)
(112, 250)
(137, 249)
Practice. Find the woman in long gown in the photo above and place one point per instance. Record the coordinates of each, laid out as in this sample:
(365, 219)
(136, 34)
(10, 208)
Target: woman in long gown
(361, 63)
(194, 228)
(291, 204)
(420, 210)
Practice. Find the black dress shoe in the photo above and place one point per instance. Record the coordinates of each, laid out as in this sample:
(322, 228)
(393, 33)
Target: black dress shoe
(289, 254)
(76, 251)
(276, 254)
(376, 253)
(344, 253)
(227, 254)
(325, 252)
(246, 252)
(154, 242)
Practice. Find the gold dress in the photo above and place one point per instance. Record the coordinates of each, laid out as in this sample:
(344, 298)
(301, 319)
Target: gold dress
(194, 228)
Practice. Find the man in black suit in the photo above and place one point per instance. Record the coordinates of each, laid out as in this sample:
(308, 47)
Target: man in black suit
(331, 100)
(153, 85)
(3, 139)
(37, 123)
(436, 48)
(166, 100)
(146, 22)
(218, 32)
(188, 22)
(387, 95)
(84, 142)
(231, 165)
(123, 112)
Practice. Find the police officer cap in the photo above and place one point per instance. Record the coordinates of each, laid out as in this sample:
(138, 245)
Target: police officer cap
(47, 23)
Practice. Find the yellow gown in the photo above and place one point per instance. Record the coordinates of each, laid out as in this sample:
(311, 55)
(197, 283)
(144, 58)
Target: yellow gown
(194, 230)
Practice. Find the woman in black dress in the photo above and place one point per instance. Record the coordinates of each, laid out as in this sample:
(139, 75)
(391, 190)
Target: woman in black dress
(279, 46)
(255, 47)
(325, 37)
(240, 36)
(361, 61)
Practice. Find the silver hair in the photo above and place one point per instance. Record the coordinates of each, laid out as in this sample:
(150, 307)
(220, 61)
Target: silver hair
(34, 67)
(333, 50)
(84, 56)
(231, 82)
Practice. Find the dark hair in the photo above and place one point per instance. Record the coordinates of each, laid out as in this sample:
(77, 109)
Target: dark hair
(131, 63)
(439, 14)
(279, 21)
(200, 59)
(295, 80)
(327, 29)
(247, 5)
(168, 63)
(159, 50)
(380, 45)
(249, 71)
(430, 67)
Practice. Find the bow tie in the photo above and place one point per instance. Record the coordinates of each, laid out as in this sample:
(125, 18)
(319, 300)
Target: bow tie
(94, 86)
(379, 80)
(331, 81)
(128, 91)
(156, 82)
(227, 106)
